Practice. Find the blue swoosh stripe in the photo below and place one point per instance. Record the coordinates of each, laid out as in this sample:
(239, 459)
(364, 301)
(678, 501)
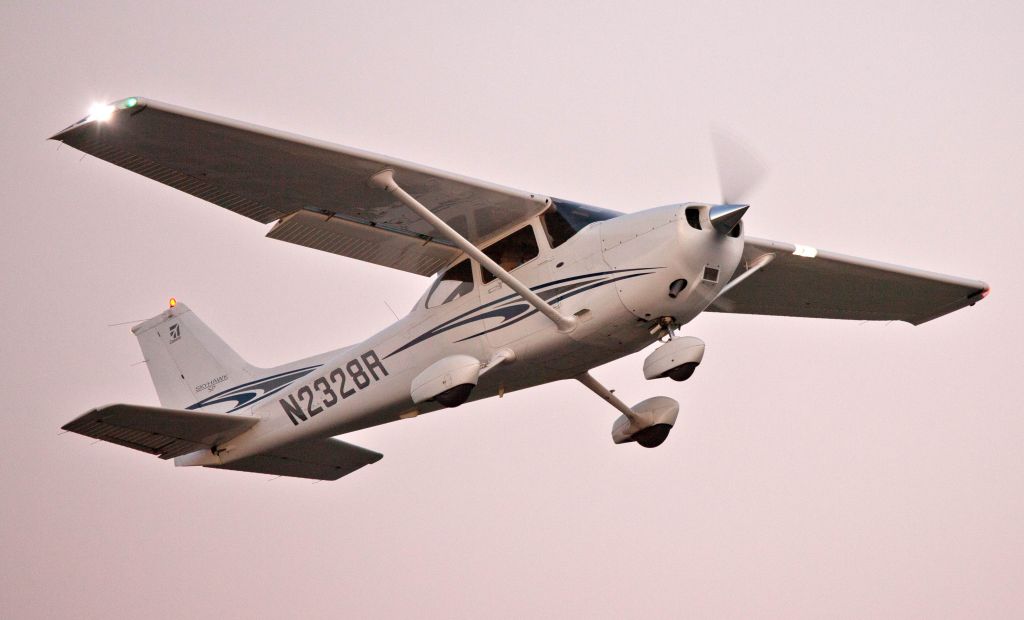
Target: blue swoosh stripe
(509, 318)
(557, 299)
(249, 393)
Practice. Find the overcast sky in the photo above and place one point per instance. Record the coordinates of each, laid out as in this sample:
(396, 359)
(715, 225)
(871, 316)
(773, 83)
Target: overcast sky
(819, 468)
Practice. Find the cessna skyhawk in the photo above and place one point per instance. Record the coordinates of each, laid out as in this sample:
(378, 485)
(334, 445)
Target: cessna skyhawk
(527, 289)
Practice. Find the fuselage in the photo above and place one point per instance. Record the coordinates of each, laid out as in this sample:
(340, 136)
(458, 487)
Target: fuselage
(614, 275)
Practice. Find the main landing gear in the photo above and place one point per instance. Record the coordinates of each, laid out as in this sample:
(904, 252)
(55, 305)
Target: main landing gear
(649, 422)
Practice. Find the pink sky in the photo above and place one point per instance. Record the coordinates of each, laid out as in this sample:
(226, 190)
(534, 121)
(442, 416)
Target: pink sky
(818, 468)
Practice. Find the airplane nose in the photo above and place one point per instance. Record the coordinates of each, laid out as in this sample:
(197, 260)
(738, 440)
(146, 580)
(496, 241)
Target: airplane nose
(725, 217)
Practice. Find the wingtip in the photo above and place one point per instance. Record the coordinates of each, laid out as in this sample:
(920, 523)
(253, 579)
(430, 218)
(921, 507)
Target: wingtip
(59, 136)
(100, 113)
(980, 294)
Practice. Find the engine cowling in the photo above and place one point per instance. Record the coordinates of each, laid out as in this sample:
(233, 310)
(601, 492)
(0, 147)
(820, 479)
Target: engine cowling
(692, 260)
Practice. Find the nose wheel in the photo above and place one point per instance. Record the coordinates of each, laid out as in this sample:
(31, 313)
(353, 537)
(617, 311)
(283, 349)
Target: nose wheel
(677, 359)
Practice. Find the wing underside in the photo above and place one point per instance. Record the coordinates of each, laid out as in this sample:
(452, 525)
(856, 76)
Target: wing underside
(806, 282)
(268, 175)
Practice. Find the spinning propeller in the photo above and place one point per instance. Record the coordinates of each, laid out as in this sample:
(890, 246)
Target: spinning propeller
(739, 171)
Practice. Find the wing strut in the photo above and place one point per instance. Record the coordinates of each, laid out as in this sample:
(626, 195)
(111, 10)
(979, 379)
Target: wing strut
(385, 180)
(752, 268)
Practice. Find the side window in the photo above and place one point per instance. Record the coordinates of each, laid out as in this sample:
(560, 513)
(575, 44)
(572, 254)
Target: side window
(564, 219)
(452, 284)
(512, 251)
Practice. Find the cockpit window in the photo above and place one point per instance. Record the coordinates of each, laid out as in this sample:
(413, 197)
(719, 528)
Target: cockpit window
(564, 219)
(512, 251)
(452, 284)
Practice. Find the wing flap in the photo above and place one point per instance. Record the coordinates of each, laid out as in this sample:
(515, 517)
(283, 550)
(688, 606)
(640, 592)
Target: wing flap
(266, 175)
(318, 459)
(167, 433)
(803, 282)
(417, 254)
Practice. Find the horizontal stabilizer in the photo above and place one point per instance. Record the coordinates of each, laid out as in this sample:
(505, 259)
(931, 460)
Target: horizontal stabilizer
(165, 432)
(318, 459)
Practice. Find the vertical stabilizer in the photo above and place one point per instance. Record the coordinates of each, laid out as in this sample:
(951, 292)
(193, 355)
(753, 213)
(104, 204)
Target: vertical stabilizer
(186, 360)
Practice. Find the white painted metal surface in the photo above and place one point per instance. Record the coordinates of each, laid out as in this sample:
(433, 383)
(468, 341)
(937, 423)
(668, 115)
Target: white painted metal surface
(611, 286)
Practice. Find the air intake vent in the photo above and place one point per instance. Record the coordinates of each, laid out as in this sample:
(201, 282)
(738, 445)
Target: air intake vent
(693, 217)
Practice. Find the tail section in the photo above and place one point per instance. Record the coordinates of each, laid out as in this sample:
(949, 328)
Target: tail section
(187, 361)
(199, 378)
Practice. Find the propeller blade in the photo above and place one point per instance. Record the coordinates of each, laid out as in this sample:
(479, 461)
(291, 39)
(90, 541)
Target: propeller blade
(739, 169)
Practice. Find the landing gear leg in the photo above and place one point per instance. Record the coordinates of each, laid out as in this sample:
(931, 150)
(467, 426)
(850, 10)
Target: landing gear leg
(647, 423)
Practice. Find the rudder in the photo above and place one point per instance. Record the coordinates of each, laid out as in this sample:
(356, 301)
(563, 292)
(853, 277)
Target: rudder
(186, 360)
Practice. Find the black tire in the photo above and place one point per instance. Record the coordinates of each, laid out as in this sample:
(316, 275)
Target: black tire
(653, 436)
(453, 397)
(682, 372)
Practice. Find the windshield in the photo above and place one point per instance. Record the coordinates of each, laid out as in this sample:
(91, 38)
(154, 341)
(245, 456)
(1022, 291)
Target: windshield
(564, 219)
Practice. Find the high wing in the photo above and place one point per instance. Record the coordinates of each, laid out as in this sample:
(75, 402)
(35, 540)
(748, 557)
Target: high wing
(167, 433)
(806, 282)
(316, 191)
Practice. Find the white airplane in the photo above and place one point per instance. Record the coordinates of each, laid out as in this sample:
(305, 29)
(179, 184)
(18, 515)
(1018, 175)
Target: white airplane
(528, 289)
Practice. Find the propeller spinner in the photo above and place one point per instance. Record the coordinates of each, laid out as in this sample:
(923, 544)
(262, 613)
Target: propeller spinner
(725, 217)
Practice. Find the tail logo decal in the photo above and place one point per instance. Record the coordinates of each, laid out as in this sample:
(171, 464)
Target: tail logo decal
(175, 333)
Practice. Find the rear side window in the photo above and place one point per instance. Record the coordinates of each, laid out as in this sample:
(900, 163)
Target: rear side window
(512, 251)
(564, 219)
(452, 284)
